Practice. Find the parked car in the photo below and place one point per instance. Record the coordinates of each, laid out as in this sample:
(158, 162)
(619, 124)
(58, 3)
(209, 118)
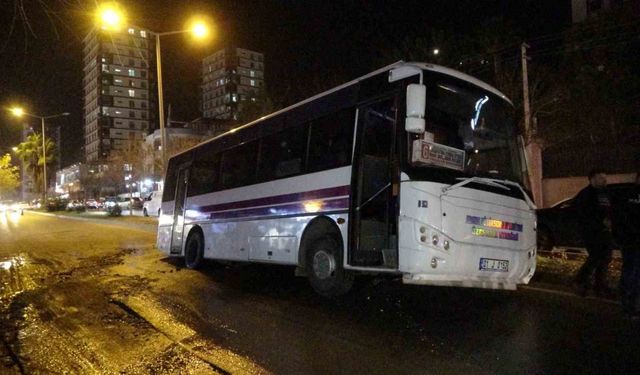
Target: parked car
(92, 204)
(110, 202)
(57, 204)
(124, 203)
(558, 224)
(136, 203)
(152, 204)
(75, 205)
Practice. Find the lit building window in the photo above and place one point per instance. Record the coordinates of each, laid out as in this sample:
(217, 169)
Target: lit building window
(253, 82)
(132, 93)
(234, 98)
(252, 73)
(132, 73)
(131, 31)
(143, 33)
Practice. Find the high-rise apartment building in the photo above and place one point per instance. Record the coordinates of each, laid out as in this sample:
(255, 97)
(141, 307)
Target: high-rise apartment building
(231, 78)
(120, 101)
(582, 10)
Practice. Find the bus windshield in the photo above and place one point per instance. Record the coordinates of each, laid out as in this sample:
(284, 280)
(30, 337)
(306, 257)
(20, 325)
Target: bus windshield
(469, 131)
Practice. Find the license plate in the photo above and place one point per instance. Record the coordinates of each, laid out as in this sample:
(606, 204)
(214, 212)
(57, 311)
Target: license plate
(499, 265)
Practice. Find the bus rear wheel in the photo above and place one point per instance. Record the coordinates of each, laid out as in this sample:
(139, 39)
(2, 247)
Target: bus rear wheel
(194, 251)
(324, 268)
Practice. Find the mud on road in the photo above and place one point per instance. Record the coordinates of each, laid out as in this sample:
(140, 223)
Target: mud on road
(63, 309)
(78, 297)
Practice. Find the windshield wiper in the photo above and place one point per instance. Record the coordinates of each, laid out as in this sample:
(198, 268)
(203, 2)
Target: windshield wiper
(490, 182)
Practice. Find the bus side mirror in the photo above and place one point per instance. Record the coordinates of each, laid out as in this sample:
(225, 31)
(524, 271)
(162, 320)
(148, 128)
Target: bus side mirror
(416, 103)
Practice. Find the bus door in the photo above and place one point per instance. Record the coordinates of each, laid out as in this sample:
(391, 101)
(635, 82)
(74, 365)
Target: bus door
(374, 229)
(178, 209)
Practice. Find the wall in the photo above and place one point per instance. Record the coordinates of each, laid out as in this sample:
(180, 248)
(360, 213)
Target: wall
(557, 189)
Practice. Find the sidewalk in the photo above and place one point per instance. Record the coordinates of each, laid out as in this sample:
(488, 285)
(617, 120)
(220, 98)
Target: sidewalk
(556, 271)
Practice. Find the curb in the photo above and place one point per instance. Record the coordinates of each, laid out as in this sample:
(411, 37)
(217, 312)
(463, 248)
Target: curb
(568, 294)
(141, 227)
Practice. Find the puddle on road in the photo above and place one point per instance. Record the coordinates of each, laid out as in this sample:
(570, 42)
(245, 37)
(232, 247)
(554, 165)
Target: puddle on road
(14, 278)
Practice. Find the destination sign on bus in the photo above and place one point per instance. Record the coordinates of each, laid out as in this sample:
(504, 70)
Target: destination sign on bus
(431, 153)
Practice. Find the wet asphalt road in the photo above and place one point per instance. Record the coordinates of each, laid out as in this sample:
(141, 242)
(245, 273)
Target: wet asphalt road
(82, 297)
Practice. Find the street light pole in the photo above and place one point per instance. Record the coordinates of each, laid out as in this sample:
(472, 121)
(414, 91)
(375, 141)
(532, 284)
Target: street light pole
(44, 165)
(19, 112)
(163, 136)
(112, 17)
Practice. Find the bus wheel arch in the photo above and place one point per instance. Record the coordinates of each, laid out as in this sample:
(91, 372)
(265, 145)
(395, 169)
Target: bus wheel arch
(194, 248)
(321, 258)
(318, 227)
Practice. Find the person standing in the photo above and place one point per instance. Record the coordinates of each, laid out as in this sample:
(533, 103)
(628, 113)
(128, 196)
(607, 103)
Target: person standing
(593, 210)
(627, 234)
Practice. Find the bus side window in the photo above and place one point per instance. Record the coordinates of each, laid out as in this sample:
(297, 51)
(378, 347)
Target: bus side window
(331, 141)
(169, 190)
(282, 154)
(239, 165)
(205, 174)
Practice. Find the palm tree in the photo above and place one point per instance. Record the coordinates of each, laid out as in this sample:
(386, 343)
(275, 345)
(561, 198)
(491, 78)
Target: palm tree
(30, 152)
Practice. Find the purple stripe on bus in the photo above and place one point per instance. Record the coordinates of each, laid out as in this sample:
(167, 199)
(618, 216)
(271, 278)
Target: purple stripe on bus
(279, 199)
(288, 209)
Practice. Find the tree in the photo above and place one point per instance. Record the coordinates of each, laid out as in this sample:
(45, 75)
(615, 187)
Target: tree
(9, 176)
(125, 164)
(30, 152)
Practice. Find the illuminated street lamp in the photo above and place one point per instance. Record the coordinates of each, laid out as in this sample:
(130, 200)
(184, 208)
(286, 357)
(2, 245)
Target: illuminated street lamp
(199, 31)
(19, 112)
(111, 17)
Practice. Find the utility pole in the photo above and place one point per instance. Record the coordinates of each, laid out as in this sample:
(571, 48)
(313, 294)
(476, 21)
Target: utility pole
(525, 92)
(532, 147)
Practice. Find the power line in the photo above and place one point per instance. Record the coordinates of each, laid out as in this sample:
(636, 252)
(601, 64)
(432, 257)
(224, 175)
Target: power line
(553, 37)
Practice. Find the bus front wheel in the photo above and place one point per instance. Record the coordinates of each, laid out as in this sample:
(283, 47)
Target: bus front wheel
(324, 268)
(194, 250)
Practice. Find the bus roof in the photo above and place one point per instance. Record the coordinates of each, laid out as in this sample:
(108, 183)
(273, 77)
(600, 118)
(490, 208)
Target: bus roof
(399, 64)
(462, 76)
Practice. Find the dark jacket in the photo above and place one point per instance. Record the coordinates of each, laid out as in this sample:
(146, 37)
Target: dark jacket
(591, 214)
(627, 216)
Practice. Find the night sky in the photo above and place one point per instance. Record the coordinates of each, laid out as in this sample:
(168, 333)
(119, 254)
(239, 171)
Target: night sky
(307, 44)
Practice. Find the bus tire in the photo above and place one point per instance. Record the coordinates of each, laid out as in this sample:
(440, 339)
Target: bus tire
(194, 250)
(324, 268)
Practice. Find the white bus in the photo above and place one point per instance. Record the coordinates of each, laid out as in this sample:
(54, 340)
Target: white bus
(413, 170)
